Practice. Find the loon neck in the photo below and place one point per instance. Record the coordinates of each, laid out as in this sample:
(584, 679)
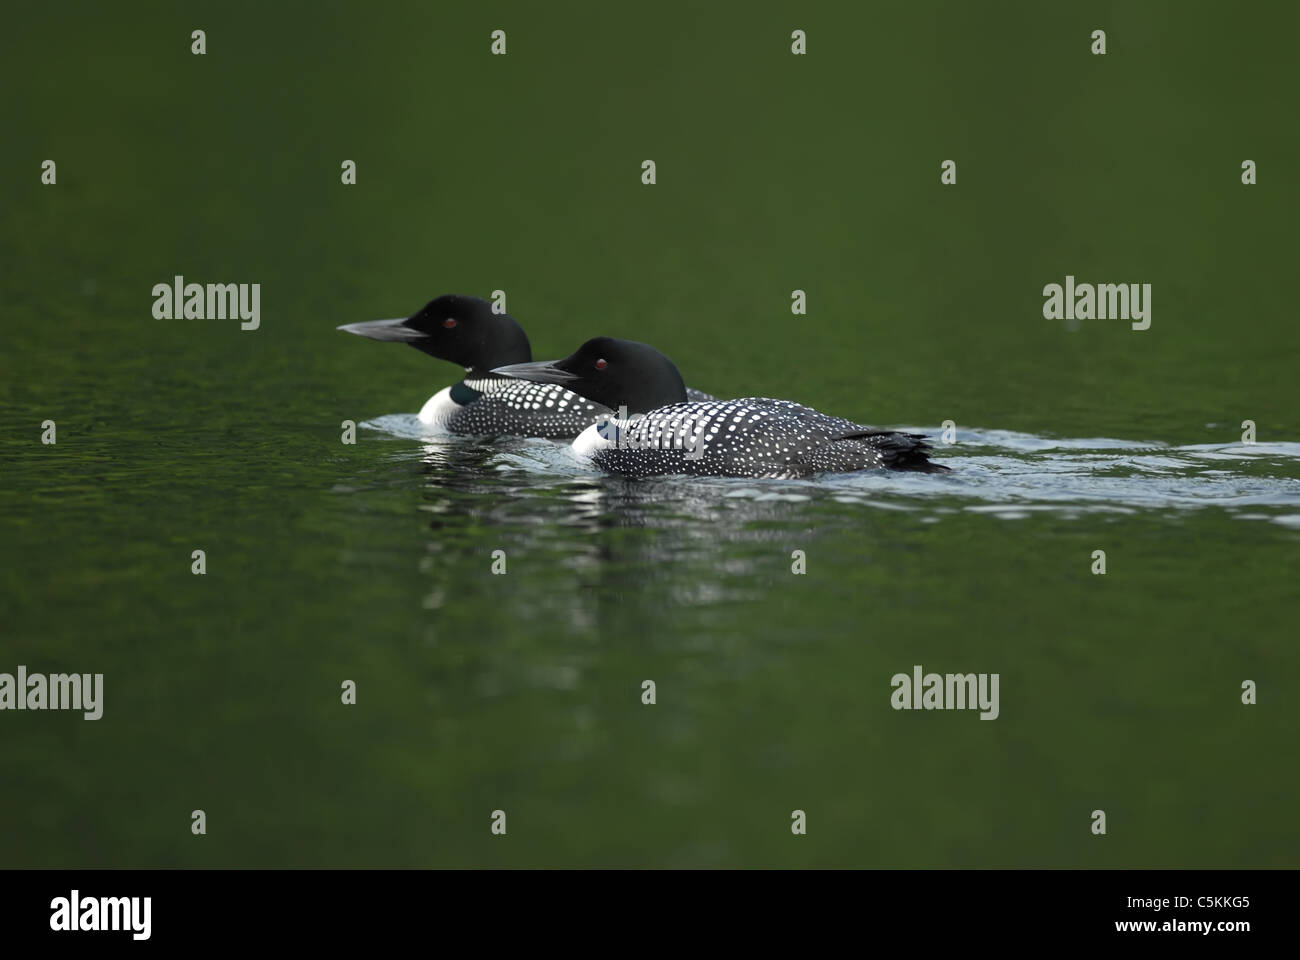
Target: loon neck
(462, 393)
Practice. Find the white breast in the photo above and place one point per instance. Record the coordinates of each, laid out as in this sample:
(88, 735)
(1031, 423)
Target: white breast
(439, 408)
(590, 440)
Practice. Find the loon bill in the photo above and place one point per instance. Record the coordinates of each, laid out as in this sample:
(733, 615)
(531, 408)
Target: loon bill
(466, 331)
(659, 431)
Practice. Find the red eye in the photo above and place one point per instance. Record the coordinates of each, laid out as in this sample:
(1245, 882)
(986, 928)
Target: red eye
(601, 364)
(449, 322)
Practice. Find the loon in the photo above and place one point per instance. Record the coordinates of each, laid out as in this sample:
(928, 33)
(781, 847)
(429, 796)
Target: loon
(659, 431)
(466, 330)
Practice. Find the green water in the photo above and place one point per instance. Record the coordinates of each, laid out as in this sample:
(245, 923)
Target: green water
(521, 692)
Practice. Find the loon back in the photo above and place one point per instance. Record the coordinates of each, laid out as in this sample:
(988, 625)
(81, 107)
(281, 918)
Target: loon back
(755, 437)
(501, 406)
(498, 406)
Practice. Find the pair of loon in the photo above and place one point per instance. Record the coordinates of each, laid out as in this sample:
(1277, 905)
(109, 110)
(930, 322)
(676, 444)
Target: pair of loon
(627, 406)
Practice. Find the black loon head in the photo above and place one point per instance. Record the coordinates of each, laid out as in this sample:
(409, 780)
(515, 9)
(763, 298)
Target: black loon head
(458, 328)
(616, 373)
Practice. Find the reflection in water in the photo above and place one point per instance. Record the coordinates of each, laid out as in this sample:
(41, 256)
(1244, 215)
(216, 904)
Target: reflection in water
(685, 564)
(690, 581)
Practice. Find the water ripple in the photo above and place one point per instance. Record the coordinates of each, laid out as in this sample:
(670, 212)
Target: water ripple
(1001, 473)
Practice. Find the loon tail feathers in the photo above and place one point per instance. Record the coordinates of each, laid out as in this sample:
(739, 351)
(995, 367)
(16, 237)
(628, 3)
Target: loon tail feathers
(901, 451)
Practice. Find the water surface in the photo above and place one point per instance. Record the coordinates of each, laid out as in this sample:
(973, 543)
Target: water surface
(522, 692)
